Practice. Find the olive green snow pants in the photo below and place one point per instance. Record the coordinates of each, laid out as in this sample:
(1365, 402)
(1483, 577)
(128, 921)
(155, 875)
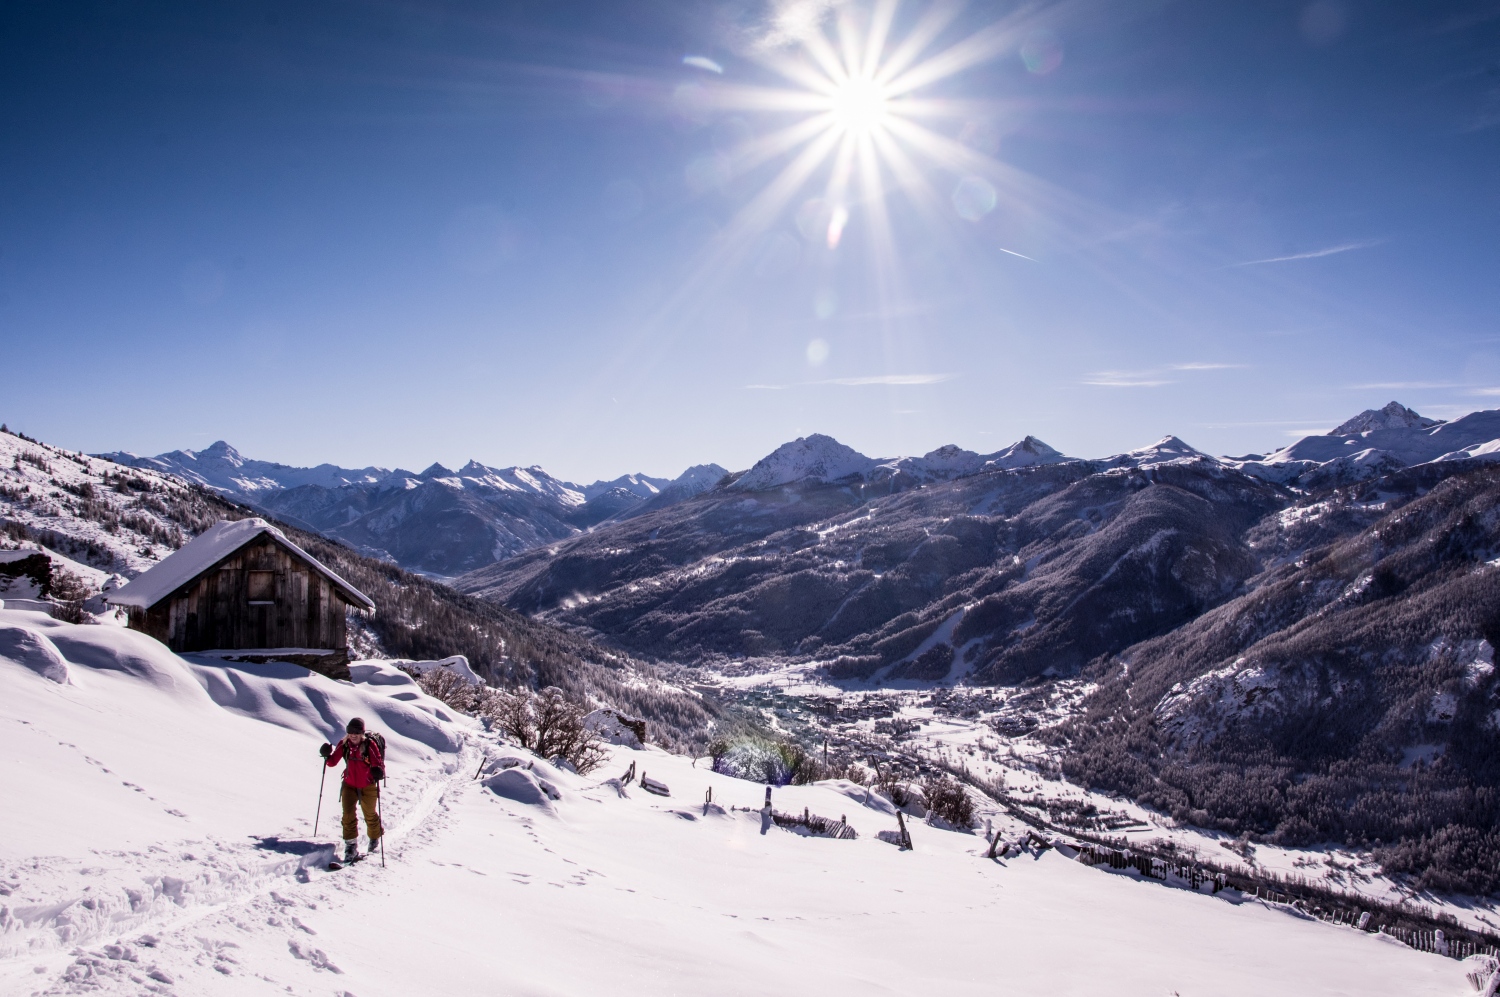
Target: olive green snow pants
(368, 802)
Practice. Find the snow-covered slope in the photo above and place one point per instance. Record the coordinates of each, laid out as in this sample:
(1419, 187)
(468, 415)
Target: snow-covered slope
(159, 840)
(89, 509)
(1378, 441)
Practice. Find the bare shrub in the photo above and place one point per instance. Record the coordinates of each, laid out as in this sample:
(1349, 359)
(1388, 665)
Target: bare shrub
(547, 724)
(457, 692)
(68, 594)
(947, 799)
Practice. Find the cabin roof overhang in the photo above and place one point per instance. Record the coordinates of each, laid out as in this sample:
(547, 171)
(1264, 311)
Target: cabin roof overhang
(206, 552)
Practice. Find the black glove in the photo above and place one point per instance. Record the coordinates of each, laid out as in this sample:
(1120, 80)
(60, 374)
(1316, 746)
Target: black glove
(377, 773)
(326, 750)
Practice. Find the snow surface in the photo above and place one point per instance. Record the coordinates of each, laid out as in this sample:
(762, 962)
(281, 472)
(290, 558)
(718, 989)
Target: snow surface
(203, 552)
(458, 664)
(158, 840)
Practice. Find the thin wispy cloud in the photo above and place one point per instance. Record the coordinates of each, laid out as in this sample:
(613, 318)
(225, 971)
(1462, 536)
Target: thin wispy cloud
(1154, 377)
(792, 21)
(702, 62)
(898, 380)
(1272, 422)
(1402, 386)
(1125, 379)
(1315, 254)
(889, 379)
(1485, 391)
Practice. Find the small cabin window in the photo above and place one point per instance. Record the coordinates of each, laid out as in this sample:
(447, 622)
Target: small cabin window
(262, 588)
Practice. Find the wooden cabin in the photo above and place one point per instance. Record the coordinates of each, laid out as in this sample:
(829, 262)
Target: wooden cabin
(243, 586)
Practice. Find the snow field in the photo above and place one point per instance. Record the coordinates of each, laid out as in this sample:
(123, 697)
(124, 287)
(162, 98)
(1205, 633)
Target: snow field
(157, 840)
(139, 785)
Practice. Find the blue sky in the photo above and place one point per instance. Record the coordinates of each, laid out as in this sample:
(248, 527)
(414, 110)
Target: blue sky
(531, 233)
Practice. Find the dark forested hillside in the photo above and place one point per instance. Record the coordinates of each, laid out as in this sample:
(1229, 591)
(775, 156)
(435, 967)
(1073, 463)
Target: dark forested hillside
(1349, 694)
(996, 576)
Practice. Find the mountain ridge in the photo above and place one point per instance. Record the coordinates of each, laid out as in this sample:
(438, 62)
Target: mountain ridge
(484, 515)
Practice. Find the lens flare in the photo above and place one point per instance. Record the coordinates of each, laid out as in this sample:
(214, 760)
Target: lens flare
(866, 109)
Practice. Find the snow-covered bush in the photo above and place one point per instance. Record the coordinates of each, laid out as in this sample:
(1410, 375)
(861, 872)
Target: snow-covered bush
(750, 755)
(68, 595)
(451, 688)
(751, 758)
(949, 800)
(546, 723)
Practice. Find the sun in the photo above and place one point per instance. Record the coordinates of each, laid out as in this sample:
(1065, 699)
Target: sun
(861, 119)
(867, 109)
(859, 106)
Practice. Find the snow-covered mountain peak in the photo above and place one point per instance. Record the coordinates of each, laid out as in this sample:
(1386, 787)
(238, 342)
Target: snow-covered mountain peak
(436, 470)
(694, 481)
(1024, 453)
(640, 485)
(223, 450)
(819, 457)
(1392, 416)
(1163, 451)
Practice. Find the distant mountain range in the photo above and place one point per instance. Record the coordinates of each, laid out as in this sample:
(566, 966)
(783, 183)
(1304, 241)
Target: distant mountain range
(447, 523)
(1297, 644)
(995, 568)
(438, 522)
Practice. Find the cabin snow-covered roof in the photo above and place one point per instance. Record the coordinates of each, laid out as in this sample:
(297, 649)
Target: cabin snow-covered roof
(206, 550)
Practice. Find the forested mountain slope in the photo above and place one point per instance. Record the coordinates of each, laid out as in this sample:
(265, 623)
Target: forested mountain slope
(1348, 693)
(996, 576)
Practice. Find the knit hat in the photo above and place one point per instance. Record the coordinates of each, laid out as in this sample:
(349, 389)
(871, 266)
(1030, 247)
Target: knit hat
(356, 726)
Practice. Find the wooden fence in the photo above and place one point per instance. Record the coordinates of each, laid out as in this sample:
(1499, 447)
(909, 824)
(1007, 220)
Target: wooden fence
(1195, 876)
(823, 827)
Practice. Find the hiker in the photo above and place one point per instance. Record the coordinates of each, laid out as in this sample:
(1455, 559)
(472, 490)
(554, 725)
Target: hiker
(364, 768)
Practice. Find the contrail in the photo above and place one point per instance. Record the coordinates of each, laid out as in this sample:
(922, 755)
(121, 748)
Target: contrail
(1314, 254)
(1014, 253)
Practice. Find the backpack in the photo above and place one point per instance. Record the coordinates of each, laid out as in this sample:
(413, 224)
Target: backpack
(379, 739)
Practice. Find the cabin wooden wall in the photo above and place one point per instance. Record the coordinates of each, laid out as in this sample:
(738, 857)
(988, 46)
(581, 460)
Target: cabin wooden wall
(296, 606)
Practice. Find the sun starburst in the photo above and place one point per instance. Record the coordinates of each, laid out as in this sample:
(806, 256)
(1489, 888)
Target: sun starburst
(863, 121)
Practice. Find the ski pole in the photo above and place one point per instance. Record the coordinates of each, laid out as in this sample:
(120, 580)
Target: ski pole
(378, 794)
(321, 780)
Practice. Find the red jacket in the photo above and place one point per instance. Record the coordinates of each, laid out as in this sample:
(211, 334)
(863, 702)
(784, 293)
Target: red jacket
(357, 772)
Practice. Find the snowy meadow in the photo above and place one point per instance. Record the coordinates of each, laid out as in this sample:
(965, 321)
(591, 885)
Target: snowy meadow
(159, 839)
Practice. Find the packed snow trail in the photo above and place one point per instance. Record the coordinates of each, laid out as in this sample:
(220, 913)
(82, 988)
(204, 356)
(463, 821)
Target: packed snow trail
(533, 880)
